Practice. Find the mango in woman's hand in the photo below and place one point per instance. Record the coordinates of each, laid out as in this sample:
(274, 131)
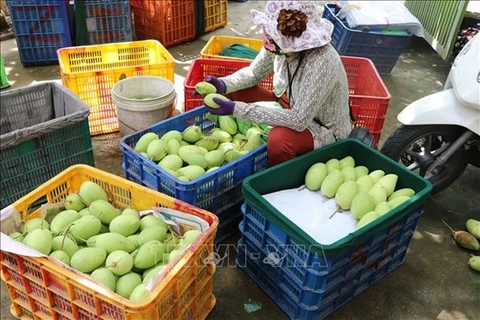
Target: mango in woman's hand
(205, 88)
(209, 100)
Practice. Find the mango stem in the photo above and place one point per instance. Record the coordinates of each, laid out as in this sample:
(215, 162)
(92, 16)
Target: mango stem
(453, 231)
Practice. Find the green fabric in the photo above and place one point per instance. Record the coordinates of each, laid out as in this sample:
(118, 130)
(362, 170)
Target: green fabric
(81, 34)
(3, 75)
(239, 51)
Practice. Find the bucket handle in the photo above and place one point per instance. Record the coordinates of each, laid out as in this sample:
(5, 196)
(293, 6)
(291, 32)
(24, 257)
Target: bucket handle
(122, 76)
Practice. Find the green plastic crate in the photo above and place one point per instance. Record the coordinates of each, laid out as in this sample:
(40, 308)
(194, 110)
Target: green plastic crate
(44, 130)
(291, 174)
(3, 75)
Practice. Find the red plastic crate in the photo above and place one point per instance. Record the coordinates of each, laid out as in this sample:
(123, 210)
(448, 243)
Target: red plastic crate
(369, 97)
(168, 21)
(202, 67)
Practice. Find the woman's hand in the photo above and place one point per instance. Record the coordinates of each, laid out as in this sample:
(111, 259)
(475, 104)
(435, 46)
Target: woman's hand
(226, 107)
(217, 83)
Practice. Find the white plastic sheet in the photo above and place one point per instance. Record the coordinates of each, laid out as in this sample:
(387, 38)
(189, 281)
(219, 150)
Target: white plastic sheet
(311, 212)
(376, 15)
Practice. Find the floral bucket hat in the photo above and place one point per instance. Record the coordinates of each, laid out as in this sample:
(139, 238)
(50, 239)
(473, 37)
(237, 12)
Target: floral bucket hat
(294, 31)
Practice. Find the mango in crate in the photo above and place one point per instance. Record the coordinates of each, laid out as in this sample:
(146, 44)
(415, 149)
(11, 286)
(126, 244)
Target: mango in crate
(35, 223)
(88, 259)
(382, 208)
(227, 124)
(369, 217)
(85, 227)
(331, 183)
(39, 239)
(362, 203)
(210, 143)
(124, 224)
(402, 192)
(364, 183)
(315, 176)
(348, 161)
(90, 191)
(348, 173)
(378, 193)
(376, 175)
(388, 182)
(360, 171)
(192, 134)
(171, 161)
(127, 283)
(345, 194)
(119, 262)
(157, 150)
(105, 277)
(333, 164)
(172, 135)
(60, 256)
(144, 141)
(173, 146)
(220, 135)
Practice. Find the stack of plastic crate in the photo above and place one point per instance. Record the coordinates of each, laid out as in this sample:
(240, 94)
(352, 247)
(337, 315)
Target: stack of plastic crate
(103, 21)
(170, 22)
(41, 28)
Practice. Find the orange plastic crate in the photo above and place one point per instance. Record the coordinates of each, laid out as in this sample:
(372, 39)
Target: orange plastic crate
(217, 43)
(91, 72)
(41, 289)
(168, 21)
(216, 14)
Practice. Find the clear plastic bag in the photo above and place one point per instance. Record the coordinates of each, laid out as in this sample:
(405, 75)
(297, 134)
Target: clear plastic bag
(379, 15)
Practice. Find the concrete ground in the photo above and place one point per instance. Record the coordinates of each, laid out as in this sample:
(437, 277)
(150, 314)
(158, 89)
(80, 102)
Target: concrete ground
(434, 283)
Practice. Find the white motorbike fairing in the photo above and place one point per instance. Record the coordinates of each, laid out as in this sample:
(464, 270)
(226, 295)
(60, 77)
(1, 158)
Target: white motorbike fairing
(440, 108)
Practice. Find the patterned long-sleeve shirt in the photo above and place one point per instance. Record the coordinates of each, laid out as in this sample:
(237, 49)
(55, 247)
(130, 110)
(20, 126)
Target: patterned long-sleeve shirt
(320, 91)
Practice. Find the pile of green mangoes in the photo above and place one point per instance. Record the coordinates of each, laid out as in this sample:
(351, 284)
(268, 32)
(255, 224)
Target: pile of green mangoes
(117, 248)
(368, 195)
(469, 240)
(190, 154)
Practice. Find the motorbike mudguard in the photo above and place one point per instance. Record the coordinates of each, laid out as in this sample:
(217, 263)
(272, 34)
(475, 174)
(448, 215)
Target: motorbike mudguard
(440, 108)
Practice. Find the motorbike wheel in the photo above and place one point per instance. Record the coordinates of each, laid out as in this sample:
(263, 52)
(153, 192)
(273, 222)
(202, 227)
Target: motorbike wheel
(417, 147)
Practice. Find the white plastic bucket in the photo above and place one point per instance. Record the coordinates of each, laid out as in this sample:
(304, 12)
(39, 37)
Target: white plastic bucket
(142, 101)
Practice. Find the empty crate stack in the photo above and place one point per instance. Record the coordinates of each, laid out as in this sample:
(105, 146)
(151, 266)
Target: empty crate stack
(41, 27)
(170, 22)
(215, 14)
(103, 21)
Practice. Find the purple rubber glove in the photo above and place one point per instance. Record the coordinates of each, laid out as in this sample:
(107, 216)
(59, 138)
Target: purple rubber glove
(226, 107)
(217, 83)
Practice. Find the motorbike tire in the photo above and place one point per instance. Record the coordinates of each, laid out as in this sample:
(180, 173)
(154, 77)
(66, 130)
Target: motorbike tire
(406, 136)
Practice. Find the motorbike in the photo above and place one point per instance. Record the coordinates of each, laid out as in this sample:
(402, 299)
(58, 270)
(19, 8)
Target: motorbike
(439, 134)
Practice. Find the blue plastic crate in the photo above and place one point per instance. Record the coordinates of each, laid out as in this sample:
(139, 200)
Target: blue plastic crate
(216, 192)
(307, 286)
(41, 28)
(228, 223)
(108, 21)
(382, 48)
